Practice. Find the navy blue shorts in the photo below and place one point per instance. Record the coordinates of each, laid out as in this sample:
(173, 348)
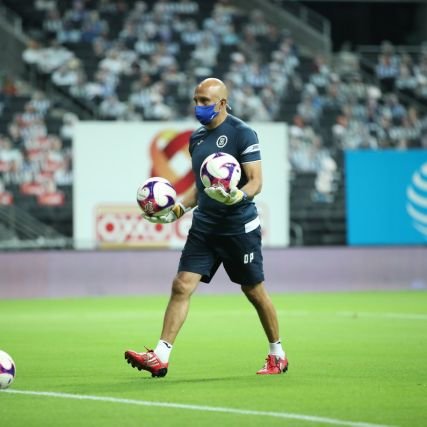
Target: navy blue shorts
(240, 254)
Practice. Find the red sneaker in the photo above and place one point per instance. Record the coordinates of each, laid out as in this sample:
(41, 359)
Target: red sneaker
(147, 361)
(274, 365)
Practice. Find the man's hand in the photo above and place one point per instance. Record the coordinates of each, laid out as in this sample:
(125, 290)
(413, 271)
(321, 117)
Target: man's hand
(177, 212)
(220, 195)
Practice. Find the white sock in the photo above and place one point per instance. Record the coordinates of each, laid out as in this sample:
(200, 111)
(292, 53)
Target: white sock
(276, 349)
(163, 351)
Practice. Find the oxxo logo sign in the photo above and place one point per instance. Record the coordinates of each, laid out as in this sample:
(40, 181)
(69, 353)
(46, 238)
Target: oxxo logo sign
(123, 226)
(416, 205)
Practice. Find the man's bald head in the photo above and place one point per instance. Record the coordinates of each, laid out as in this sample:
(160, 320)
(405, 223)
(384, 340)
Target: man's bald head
(215, 88)
(210, 99)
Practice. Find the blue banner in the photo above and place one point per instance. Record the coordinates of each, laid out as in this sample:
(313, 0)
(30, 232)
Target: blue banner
(386, 196)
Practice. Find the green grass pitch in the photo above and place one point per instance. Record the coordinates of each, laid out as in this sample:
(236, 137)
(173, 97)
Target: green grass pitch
(356, 359)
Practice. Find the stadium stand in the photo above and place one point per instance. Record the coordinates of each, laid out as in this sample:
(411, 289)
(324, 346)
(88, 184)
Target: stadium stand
(140, 60)
(35, 162)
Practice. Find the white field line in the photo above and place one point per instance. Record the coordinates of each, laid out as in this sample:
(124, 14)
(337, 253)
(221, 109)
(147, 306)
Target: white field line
(202, 408)
(370, 314)
(404, 316)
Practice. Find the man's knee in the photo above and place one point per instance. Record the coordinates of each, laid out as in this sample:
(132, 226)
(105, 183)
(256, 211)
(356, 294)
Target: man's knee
(255, 294)
(183, 285)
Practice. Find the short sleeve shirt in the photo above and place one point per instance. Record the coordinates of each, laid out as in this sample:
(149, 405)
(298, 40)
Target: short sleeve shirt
(234, 137)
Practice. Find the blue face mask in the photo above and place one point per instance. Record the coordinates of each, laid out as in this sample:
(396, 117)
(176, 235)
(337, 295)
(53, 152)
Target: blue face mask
(205, 113)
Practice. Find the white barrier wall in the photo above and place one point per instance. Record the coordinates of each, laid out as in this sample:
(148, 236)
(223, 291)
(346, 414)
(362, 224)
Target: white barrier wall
(111, 159)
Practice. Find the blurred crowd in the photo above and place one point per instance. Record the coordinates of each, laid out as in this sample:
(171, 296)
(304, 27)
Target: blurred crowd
(399, 69)
(33, 161)
(349, 111)
(141, 60)
(163, 50)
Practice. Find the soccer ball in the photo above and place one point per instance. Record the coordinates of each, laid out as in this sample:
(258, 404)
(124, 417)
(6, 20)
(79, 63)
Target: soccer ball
(220, 169)
(7, 370)
(156, 196)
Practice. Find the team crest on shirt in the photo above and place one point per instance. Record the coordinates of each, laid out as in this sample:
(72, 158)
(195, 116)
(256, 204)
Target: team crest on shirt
(221, 141)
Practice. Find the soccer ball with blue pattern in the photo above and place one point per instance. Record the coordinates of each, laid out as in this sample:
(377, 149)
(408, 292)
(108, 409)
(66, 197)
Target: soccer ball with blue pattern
(7, 370)
(156, 196)
(220, 169)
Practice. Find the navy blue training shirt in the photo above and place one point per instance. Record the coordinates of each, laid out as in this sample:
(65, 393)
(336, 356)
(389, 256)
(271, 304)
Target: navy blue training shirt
(234, 137)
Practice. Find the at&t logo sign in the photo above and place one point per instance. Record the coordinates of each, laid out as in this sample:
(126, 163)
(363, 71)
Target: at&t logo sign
(416, 205)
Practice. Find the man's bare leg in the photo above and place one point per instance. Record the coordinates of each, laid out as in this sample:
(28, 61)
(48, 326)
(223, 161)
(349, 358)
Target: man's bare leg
(183, 286)
(260, 299)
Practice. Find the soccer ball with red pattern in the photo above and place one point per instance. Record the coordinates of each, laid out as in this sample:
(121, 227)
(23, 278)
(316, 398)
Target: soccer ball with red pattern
(220, 169)
(7, 370)
(156, 196)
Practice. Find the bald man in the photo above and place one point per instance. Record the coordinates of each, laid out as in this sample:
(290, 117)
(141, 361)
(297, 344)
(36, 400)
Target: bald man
(225, 230)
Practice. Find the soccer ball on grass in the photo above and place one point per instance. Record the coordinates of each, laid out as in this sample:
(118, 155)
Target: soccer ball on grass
(7, 370)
